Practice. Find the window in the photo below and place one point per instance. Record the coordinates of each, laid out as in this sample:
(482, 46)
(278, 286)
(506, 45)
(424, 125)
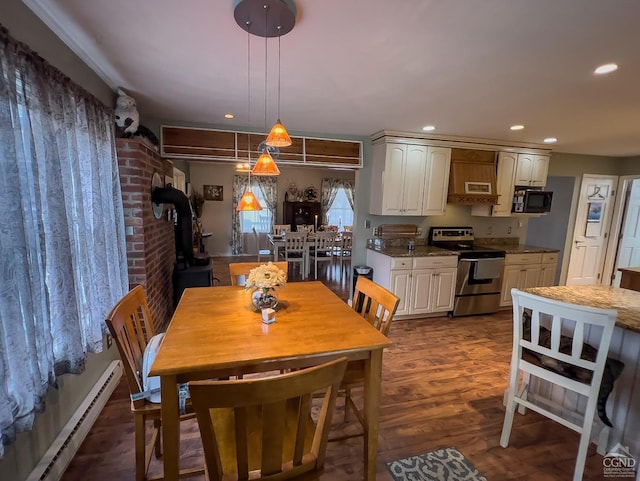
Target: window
(62, 244)
(260, 219)
(340, 212)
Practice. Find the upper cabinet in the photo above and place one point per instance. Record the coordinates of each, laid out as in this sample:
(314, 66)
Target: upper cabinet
(532, 170)
(514, 169)
(409, 179)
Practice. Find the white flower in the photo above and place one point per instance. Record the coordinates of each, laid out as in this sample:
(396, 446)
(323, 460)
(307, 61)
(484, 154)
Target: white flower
(266, 276)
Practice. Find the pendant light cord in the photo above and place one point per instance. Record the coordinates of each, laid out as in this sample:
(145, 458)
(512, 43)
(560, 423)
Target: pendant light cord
(279, 27)
(249, 98)
(266, 13)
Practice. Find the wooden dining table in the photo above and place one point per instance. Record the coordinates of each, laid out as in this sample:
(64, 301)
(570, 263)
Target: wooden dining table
(215, 332)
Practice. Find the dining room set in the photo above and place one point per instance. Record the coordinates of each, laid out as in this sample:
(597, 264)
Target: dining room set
(307, 245)
(252, 383)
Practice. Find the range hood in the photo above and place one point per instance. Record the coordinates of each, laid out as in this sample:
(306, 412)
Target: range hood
(472, 180)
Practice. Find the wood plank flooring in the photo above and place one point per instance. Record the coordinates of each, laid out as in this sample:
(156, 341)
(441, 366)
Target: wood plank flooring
(443, 382)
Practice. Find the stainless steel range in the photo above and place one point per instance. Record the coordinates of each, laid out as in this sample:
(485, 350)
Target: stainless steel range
(479, 270)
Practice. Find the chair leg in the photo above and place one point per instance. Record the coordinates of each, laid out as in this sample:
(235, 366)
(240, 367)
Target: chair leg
(347, 404)
(158, 444)
(140, 447)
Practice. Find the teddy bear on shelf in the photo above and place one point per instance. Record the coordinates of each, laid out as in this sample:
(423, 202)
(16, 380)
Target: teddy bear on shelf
(127, 117)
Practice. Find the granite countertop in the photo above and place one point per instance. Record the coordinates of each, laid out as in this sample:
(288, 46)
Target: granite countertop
(511, 245)
(419, 251)
(627, 302)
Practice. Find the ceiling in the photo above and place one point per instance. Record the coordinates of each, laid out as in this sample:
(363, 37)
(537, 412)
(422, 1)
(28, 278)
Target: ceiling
(469, 67)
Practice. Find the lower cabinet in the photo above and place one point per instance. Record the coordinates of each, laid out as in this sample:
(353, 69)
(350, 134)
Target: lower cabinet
(425, 285)
(527, 270)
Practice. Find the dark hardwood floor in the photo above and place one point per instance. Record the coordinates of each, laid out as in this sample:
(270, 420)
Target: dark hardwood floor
(443, 382)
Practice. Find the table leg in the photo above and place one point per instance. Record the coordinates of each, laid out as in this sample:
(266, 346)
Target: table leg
(170, 427)
(372, 380)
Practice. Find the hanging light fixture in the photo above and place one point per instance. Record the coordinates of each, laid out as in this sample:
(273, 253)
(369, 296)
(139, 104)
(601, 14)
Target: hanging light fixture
(279, 19)
(278, 137)
(248, 201)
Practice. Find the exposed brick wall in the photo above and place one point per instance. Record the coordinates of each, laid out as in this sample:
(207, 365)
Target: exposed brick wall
(150, 241)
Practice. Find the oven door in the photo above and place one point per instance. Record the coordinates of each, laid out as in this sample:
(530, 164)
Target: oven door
(479, 276)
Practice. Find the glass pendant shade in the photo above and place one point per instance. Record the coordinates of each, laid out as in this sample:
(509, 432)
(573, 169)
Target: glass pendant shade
(265, 165)
(248, 202)
(278, 137)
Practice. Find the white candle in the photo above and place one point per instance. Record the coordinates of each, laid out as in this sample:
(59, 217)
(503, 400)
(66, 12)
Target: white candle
(316, 223)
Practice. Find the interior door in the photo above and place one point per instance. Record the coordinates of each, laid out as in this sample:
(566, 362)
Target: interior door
(591, 230)
(629, 243)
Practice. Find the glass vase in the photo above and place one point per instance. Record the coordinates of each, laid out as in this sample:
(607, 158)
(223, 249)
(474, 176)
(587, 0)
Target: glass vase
(264, 297)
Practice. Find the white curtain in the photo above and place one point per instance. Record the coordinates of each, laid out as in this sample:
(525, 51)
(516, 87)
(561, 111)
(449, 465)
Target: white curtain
(62, 243)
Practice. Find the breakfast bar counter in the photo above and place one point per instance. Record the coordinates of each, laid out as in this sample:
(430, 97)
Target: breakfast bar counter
(624, 402)
(627, 302)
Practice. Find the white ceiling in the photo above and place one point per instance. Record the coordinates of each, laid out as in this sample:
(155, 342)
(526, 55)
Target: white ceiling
(354, 67)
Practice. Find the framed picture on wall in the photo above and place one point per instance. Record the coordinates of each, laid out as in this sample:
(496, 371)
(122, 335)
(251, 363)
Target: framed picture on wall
(212, 192)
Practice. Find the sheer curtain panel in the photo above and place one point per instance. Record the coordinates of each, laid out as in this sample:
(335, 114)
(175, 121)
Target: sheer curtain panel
(62, 243)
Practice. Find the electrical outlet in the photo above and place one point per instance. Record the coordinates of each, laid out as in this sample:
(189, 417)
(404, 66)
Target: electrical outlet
(109, 341)
(367, 223)
(489, 230)
(509, 230)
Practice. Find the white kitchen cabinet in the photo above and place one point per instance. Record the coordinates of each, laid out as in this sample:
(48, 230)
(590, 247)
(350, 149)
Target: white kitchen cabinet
(548, 269)
(400, 285)
(409, 179)
(425, 285)
(531, 170)
(436, 180)
(527, 270)
(514, 169)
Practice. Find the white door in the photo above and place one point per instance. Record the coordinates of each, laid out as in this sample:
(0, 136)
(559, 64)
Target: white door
(629, 247)
(591, 230)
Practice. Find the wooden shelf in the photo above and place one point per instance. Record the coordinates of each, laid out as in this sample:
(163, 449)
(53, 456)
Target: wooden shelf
(231, 146)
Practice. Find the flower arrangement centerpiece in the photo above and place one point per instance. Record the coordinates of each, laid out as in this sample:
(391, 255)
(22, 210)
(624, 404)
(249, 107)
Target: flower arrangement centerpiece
(263, 280)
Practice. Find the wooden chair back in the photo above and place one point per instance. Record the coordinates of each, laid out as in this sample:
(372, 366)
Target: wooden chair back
(347, 243)
(131, 327)
(240, 270)
(261, 429)
(323, 243)
(295, 243)
(278, 228)
(550, 343)
(375, 303)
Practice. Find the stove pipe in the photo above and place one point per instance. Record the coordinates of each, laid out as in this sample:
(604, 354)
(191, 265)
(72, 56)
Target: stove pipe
(184, 224)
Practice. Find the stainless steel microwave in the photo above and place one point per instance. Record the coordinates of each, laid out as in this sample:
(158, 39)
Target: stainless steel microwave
(531, 201)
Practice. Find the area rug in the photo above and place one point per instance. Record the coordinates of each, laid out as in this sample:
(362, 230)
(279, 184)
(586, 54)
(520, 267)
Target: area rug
(446, 464)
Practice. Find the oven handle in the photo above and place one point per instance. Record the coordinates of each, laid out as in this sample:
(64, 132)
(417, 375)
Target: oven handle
(482, 259)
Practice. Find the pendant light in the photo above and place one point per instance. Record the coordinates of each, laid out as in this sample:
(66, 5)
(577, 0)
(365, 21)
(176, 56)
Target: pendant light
(265, 165)
(248, 201)
(278, 137)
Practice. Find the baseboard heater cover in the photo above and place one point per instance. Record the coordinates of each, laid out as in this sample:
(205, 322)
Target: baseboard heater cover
(55, 460)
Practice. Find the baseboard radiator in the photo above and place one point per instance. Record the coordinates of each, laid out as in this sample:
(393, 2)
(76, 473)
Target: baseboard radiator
(54, 462)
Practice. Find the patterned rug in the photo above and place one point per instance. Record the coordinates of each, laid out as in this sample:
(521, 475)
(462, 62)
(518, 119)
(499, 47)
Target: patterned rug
(446, 464)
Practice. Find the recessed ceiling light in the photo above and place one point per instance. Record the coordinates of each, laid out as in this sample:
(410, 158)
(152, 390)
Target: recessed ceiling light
(229, 116)
(429, 128)
(517, 127)
(550, 140)
(606, 68)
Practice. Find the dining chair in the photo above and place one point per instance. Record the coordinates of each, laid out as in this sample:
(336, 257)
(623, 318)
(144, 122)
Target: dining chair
(240, 270)
(261, 252)
(132, 329)
(565, 346)
(262, 429)
(344, 253)
(378, 306)
(295, 250)
(304, 228)
(321, 250)
(279, 228)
